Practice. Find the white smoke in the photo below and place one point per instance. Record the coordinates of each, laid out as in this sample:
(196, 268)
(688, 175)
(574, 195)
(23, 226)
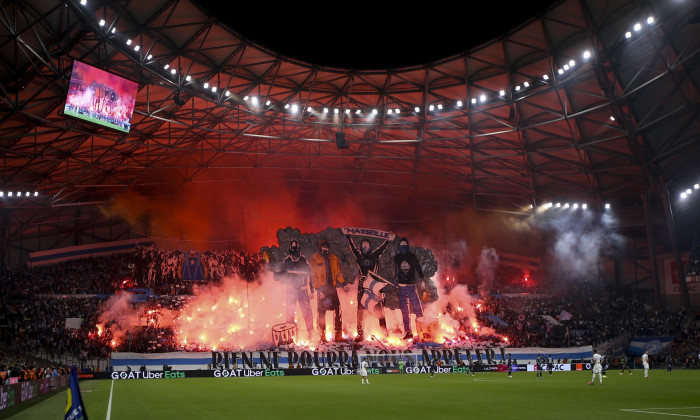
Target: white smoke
(453, 309)
(486, 270)
(577, 239)
(118, 309)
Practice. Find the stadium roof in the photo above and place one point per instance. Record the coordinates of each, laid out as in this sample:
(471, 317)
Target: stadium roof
(592, 101)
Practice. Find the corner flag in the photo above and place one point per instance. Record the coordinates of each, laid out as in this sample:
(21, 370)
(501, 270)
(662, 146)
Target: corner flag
(75, 410)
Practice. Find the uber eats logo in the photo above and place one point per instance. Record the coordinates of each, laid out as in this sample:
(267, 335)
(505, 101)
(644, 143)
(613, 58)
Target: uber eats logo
(148, 375)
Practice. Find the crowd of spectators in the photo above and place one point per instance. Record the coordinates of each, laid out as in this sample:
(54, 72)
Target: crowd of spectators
(36, 302)
(147, 267)
(159, 269)
(510, 279)
(596, 316)
(91, 275)
(33, 324)
(19, 368)
(683, 352)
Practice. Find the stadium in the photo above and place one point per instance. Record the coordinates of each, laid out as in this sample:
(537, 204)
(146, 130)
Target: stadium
(215, 211)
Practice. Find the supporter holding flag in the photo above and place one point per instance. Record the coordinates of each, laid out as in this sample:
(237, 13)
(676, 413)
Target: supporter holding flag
(75, 409)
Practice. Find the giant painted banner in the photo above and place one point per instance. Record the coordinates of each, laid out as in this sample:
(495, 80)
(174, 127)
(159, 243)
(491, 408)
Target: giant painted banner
(336, 358)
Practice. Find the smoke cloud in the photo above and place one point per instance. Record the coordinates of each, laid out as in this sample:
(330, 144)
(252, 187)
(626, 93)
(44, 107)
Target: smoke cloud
(237, 314)
(486, 270)
(574, 241)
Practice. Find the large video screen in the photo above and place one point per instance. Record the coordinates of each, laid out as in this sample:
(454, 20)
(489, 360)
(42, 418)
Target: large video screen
(100, 97)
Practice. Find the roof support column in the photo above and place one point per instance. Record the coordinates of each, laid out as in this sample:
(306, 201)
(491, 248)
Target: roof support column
(4, 239)
(658, 301)
(671, 225)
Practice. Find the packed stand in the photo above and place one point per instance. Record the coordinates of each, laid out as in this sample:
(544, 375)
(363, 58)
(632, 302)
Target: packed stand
(159, 269)
(16, 368)
(683, 352)
(92, 275)
(35, 313)
(597, 316)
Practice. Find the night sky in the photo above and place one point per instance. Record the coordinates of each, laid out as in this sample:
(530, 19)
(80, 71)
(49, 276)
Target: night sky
(378, 36)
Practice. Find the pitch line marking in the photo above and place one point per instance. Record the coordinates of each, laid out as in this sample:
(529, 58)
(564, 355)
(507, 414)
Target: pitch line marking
(645, 411)
(109, 406)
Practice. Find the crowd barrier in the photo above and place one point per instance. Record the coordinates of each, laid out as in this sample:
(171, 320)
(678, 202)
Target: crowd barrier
(15, 394)
(319, 371)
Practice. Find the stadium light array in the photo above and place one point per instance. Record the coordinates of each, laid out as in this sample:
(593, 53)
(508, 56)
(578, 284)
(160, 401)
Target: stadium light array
(574, 206)
(18, 194)
(689, 191)
(637, 27)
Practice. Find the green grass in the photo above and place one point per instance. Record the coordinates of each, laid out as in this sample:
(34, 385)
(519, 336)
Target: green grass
(565, 395)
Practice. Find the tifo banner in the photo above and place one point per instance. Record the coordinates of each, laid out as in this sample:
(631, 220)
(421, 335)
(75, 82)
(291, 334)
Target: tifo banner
(82, 251)
(192, 268)
(176, 360)
(309, 358)
(366, 232)
(673, 284)
(638, 345)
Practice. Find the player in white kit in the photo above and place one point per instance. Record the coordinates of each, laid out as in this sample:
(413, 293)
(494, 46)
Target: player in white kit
(363, 371)
(597, 368)
(645, 363)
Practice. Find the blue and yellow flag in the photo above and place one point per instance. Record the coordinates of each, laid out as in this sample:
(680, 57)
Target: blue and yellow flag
(75, 409)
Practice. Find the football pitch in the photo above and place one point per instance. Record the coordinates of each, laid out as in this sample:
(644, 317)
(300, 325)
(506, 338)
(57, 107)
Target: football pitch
(564, 395)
